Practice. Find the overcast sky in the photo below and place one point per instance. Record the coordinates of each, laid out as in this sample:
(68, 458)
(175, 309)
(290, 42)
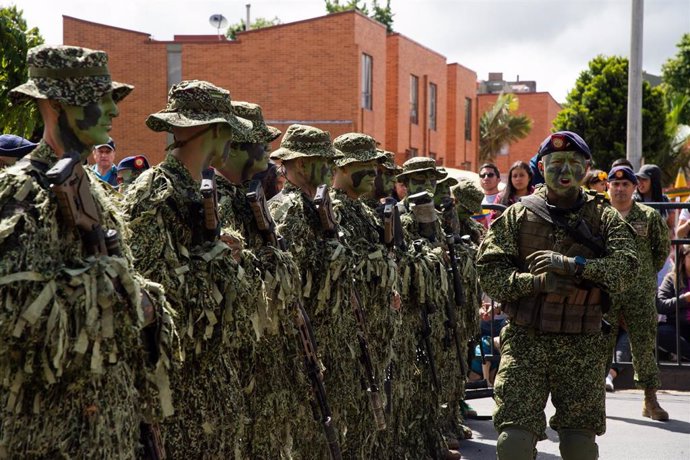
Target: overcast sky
(549, 41)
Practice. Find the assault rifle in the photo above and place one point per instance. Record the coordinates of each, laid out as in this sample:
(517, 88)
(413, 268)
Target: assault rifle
(79, 211)
(322, 201)
(209, 196)
(392, 228)
(320, 407)
(459, 301)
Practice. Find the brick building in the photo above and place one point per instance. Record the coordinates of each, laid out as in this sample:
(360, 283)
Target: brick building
(542, 108)
(340, 72)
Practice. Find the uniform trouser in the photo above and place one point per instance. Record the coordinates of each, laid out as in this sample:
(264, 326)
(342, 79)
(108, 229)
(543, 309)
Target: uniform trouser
(566, 366)
(640, 316)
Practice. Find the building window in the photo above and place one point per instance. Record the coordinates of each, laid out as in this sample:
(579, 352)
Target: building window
(432, 106)
(174, 64)
(468, 119)
(411, 152)
(414, 99)
(367, 81)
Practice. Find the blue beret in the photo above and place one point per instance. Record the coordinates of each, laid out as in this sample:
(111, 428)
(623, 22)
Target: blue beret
(564, 141)
(622, 173)
(15, 146)
(136, 163)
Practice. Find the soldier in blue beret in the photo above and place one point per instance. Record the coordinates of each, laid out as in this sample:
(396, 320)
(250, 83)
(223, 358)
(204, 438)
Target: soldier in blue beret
(129, 169)
(12, 148)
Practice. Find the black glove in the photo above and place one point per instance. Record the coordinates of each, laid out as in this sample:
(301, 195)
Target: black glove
(552, 262)
(552, 283)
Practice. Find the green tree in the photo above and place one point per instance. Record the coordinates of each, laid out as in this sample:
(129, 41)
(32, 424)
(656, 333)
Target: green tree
(597, 110)
(382, 14)
(15, 41)
(676, 75)
(258, 23)
(500, 126)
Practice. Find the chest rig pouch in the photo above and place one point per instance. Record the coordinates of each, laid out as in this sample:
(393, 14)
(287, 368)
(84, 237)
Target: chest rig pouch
(580, 312)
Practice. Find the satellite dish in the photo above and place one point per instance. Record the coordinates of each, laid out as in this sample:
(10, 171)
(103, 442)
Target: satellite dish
(219, 22)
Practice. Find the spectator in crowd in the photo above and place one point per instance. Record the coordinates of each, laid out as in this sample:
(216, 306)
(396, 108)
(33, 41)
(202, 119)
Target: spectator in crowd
(272, 180)
(622, 162)
(489, 178)
(667, 304)
(105, 169)
(596, 180)
(12, 148)
(683, 228)
(623, 355)
(129, 169)
(649, 189)
(519, 177)
(483, 367)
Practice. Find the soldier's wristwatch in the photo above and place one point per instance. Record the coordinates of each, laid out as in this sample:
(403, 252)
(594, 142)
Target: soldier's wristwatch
(580, 263)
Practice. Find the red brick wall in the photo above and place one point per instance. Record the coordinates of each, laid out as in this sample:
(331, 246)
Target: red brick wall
(461, 85)
(407, 58)
(135, 60)
(542, 108)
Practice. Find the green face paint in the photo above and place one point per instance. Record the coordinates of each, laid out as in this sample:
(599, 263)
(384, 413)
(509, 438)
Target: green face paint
(318, 170)
(564, 171)
(417, 183)
(82, 127)
(245, 157)
(361, 176)
(442, 191)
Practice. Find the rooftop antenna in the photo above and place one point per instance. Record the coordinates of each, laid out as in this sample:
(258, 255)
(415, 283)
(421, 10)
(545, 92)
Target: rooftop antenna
(218, 21)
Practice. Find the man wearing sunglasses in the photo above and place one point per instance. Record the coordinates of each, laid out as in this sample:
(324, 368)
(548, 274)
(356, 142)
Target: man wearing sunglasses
(489, 178)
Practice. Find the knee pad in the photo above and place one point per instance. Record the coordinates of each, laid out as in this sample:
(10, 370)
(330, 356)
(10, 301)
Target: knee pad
(578, 445)
(516, 444)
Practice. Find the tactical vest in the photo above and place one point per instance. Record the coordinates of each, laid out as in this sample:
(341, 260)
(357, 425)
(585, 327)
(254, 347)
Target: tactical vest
(578, 313)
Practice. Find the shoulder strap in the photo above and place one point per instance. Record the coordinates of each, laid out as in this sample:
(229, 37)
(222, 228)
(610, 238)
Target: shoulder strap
(580, 232)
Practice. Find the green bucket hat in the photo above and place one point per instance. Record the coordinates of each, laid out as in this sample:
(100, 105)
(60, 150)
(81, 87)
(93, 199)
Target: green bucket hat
(197, 103)
(448, 179)
(417, 165)
(260, 133)
(389, 162)
(468, 196)
(68, 74)
(356, 148)
(305, 141)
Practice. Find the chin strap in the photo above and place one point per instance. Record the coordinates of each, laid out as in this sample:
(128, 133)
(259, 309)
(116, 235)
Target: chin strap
(181, 143)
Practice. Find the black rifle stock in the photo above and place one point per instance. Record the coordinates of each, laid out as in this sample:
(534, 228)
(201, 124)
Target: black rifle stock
(322, 202)
(320, 407)
(209, 196)
(79, 211)
(392, 227)
(459, 301)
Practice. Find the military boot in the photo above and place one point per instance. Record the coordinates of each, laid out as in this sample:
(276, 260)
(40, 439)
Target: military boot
(450, 454)
(651, 407)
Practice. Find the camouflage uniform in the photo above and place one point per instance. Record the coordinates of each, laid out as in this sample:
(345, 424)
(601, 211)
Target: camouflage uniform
(274, 380)
(636, 306)
(325, 267)
(535, 364)
(375, 276)
(418, 420)
(212, 295)
(468, 201)
(76, 381)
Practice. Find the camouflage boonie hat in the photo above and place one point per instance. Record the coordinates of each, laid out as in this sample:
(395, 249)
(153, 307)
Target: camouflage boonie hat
(356, 148)
(389, 162)
(69, 74)
(421, 165)
(260, 133)
(305, 141)
(448, 180)
(468, 196)
(197, 103)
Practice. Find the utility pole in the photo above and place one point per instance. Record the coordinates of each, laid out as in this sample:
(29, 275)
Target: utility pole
(634, 131)
(248, 24)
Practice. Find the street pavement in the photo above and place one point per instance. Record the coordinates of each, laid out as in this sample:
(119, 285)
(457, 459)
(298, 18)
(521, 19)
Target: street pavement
(629, 436)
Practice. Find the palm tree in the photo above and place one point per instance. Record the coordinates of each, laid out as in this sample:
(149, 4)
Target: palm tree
(499, 126)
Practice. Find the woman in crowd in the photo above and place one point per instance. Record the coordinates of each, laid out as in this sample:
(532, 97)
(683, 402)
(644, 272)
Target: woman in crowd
(519, 177)
(666, 302)
(649, 189)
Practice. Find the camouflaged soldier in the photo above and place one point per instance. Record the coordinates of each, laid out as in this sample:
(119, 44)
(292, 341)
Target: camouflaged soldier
(374, 275)
(213, 297)
(326, 264)
(547, 259)
(421, 424)
(280, 419)
(637, 305)
(468, 202)
(77, 380)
